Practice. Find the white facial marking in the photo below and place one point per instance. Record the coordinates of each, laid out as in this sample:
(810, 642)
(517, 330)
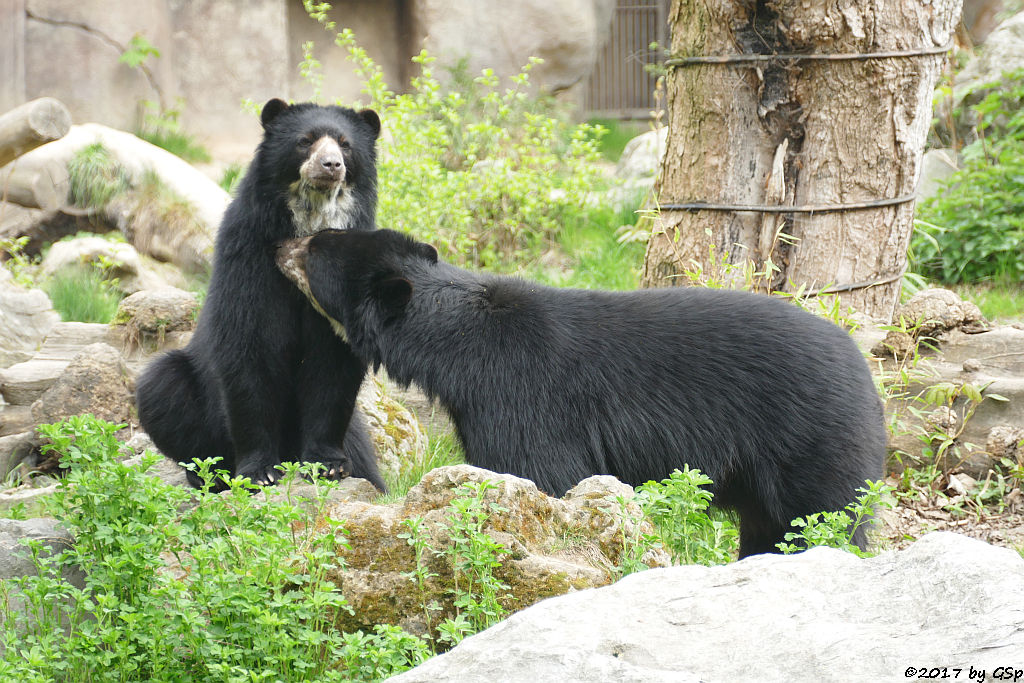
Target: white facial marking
(321, 199)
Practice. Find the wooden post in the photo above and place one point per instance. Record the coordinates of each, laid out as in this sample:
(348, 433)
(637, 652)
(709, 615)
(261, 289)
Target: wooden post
(30, 125)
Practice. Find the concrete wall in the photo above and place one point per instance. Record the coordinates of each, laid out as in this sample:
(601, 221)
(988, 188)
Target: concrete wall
(215, 53)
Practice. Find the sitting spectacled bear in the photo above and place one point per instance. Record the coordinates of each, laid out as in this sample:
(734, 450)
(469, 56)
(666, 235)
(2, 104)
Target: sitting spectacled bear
(554, 385)
(264, 379)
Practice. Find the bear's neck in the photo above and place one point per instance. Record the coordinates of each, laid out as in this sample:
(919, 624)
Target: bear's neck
(314, 210)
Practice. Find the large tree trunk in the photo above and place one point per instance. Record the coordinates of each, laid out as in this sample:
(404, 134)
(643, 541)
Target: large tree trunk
(842, 131)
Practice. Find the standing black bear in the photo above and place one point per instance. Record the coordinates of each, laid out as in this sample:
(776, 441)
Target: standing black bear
(554, 385)
(264, 379)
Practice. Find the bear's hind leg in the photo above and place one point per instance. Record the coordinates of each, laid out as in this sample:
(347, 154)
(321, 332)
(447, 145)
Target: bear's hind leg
(358, 448)
(759, 533)
(175, 410)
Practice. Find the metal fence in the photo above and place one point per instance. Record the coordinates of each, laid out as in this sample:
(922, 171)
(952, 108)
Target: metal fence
(619, 86)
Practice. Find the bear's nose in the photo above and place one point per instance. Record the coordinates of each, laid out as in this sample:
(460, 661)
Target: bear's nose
(331, 162)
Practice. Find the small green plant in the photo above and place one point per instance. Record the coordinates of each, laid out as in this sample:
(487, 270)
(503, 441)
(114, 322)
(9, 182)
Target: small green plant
(679, 508)
(477, 593)
(162, 127)
(160, 123)
(230, 177)
(617, 134)
(633, 541)
(417, 537)
(443, 449)
(836, 529)
(139, 50)
(474, 555)
(17, 262)
(386, 652)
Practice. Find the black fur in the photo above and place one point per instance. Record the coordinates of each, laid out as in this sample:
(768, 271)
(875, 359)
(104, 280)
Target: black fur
(264, 379)
(774, 404)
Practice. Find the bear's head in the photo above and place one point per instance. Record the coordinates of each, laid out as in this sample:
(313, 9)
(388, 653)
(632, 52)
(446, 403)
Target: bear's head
(322, 161)
(359, 280)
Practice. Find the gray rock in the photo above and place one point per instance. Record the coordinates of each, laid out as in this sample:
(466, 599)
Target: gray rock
(824, 615)
(641, 158)
(79, 36)
(15, 419)
(133, 272)
(557, 545)
(13, 560)
(23, 383)
(257, 34)
(27, 494)
(936, 166)
(96, 381)
(14, 449)
(397, 435)
(155, 320)
(26, 317)
(1003, 51)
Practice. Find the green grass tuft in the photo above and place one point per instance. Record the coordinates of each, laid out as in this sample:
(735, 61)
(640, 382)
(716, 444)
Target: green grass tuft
(443, 449)
(95, 176)
(82, 295)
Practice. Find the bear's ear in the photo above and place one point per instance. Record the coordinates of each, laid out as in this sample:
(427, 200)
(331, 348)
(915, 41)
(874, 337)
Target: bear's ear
(395, 293)
(372, 120)
(427, 251)
(271, 109)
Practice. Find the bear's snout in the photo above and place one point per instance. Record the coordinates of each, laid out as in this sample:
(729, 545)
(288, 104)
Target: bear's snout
(325, 166)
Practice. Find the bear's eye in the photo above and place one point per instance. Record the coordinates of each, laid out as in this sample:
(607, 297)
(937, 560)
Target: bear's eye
(344, 143)
(306, 140)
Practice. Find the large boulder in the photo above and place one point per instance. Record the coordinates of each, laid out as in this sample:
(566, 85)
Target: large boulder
(567, 35)
(26, 317)
(557, 545)
(187, 241)
(947, 601)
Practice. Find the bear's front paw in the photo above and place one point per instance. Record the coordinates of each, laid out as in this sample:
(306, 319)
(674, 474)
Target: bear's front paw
(261, 470)
(335, 464)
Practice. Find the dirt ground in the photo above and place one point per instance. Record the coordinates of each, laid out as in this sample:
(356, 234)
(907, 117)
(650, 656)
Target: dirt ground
(955, 509)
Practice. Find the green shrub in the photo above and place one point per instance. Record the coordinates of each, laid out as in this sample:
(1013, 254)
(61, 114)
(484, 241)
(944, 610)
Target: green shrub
(486, 173)
(679, 508)
(249, 601)
(835, 529)
(972, 230)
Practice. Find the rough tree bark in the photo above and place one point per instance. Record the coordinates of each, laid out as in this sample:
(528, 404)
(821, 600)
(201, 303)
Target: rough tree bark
(836, 132)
